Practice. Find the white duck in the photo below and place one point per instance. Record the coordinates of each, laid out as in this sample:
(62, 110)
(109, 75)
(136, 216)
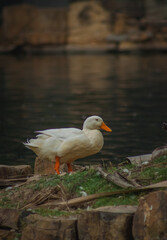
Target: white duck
(66, 145)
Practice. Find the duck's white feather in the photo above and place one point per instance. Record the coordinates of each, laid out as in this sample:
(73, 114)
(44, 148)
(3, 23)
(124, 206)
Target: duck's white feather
(60, 133)
(68, 143)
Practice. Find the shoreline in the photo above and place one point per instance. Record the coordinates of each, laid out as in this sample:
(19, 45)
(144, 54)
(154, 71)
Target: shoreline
(48, 206)
(127, 48)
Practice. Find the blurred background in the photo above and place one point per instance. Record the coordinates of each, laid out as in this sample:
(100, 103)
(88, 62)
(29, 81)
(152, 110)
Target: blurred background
(62, 60)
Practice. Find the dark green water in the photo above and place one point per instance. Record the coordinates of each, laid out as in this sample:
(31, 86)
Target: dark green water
(39, 92)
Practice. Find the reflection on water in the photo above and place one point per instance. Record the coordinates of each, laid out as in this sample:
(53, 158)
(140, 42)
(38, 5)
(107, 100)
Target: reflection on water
(39, 92)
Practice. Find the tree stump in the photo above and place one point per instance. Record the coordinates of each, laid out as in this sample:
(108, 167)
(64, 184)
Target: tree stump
(44, 166)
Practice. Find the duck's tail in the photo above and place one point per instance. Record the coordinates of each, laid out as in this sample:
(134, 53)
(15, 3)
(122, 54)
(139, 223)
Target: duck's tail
(31, 144)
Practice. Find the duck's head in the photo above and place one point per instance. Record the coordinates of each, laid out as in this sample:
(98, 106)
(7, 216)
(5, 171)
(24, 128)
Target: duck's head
(95, 122)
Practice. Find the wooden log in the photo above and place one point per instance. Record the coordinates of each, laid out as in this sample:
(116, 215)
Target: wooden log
(131, 181)
(12, 171)
(11, 182)
(116, 178)
(20, 176)
(139, 160)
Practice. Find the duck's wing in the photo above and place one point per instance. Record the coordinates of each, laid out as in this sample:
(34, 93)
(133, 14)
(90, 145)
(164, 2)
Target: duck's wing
(51, 137)
(61, 133)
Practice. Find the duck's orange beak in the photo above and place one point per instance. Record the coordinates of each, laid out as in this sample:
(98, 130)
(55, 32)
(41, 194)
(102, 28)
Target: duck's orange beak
(104, 127)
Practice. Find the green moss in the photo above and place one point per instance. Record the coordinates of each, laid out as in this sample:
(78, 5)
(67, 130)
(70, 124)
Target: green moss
(88, 181)
(49, 212)
(44, 182)
(6, 203)
(155, 174)
(17, 236)
(129, 199)
(56, 213)
(161, 159)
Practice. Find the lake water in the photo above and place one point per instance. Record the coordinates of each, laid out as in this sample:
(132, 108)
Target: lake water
(52, 91)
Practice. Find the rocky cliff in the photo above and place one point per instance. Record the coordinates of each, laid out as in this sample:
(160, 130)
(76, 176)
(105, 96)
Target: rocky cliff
(83, 26)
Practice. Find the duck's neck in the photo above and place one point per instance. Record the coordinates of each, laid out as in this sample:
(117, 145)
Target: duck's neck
(95, 137)
(92, 133)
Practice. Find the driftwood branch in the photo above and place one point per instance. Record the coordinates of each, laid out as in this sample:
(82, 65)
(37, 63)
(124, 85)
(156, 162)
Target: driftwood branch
(81, 200)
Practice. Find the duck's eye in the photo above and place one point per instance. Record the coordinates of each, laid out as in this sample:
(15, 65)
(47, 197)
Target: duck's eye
(97, 119)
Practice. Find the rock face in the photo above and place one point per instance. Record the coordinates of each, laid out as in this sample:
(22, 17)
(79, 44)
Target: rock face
(106, 223)
(7, 234)
(83, 26)
(9, 218)
(88, 23)
(150, 219)
(11, 171)
(27, 24)
(113, 223)
(45, 228)
(9, 221)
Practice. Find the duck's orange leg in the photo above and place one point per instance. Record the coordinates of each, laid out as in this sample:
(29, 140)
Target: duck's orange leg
(57, 165)
(69, 167)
